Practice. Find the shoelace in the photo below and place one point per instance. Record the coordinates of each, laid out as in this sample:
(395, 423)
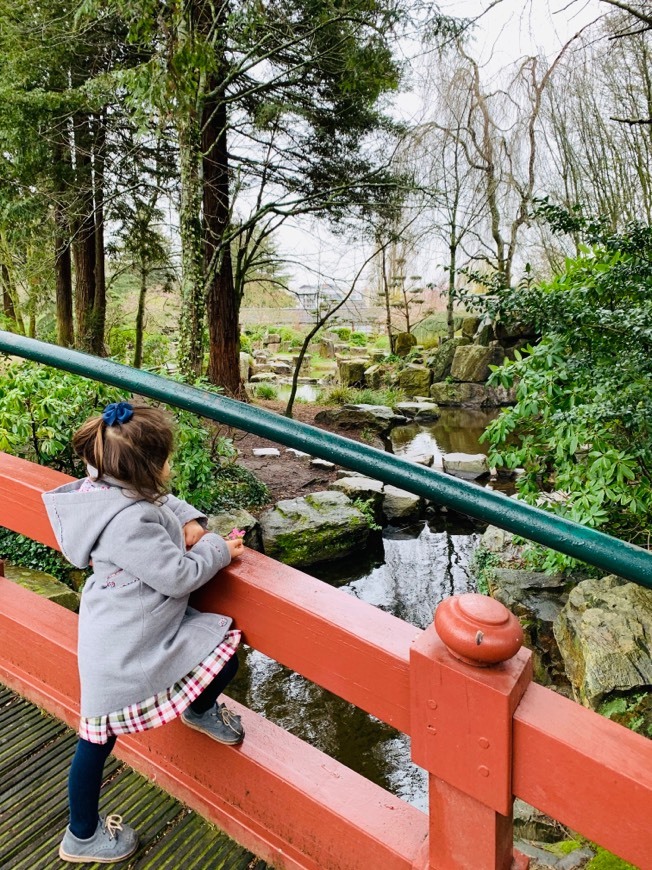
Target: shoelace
(230, 719)
(113, 824)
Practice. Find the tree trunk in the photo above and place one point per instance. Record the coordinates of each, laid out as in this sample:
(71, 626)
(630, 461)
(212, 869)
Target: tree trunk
(98, 319)
(452, 269)
(388, 309)
(63, 270)
(140, 320)
(84, 238)
(8, 306)
(222, 303)
(62, 256)
(191, 323)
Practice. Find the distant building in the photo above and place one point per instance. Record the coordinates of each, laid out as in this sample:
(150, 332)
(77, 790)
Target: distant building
(321, 297)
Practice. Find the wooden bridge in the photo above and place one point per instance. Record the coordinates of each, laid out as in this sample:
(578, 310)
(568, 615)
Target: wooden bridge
(484, 734)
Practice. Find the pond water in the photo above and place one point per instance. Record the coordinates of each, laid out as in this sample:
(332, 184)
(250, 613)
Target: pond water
(407, 571)
(456, 431)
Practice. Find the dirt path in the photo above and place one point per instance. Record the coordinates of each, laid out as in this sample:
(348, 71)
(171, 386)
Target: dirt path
(287, 476)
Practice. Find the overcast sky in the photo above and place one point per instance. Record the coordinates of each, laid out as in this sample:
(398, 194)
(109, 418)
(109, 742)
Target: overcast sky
(508, 30)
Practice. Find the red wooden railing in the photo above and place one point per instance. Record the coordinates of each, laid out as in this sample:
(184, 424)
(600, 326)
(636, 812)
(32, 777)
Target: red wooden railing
(485, 734)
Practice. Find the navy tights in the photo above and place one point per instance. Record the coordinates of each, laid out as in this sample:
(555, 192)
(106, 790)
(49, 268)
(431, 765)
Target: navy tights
(87, 768)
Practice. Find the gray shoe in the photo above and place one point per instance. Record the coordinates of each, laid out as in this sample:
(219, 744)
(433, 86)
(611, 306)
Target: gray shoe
(219, 723)
(112, 841)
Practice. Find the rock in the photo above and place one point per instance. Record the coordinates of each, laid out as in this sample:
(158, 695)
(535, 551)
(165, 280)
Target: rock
(322, 463)
(263, 378)
(441, 360)
(423, 411)
(246, 366)
(363, 488)
(44, 585)
(414, 379)
(225, 522)
(471, 362)
(374, 375)
(466, 465)
(468, 395)
(280, 367)
(502, 543)
(470, 326)
(266, 451)
(351, 372)
(484, 333)
(426, 459)
(604, 638)
(260, 355)
(532, 824)
(403, 343)
(377, 417)
(298, 453)
(327, 348)
(323, 525)
(272, 338)
(377, 356)
(398, 504)
(537, 599)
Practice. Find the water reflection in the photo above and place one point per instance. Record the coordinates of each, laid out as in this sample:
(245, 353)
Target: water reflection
(456, 431)
(407, 573)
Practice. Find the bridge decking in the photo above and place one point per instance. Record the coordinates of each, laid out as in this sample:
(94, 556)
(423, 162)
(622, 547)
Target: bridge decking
(35, 752)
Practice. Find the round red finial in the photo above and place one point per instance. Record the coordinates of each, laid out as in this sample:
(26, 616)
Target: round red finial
(477, 629)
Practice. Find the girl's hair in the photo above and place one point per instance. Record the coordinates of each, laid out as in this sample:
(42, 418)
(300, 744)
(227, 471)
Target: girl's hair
(134, 452)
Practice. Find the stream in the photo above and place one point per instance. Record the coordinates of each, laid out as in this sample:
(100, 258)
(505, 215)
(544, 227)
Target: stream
(406, 571)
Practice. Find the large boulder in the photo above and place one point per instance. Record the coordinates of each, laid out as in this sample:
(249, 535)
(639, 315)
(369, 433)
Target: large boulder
(603, 634)
(537, 599)
(363, 488)
(440, 360)
(374, 376)
(468, 466)
(351, 371)
(321, 526)
(376, 417)
(414, 380)
(225, 522)
(424, 412)
(398, 504)
(470, 325)
(246, 366)
(471, 362)
(44, 585)
(466, 395)
(403, 343)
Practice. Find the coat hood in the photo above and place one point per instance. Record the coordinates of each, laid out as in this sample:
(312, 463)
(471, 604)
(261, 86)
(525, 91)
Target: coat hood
(79, 518)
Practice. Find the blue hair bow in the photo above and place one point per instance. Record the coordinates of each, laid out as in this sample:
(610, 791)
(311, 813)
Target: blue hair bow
(117, 412)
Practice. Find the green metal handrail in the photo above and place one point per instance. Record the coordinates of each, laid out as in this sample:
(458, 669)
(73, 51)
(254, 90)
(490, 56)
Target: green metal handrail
(588, 545)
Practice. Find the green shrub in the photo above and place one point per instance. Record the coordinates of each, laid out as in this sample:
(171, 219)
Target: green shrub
(582, 422)
(358, 339)
(265, 391)
(342, 332)
(27, 553)
(40, 408)
(388, 396)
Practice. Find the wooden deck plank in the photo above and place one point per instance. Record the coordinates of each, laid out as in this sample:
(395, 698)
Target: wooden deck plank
(33, 804)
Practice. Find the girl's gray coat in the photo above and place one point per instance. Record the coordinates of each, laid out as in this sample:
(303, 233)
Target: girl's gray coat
(137, 635)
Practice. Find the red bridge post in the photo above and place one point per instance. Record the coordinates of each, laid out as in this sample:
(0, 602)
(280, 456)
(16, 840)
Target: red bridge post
(468, 673)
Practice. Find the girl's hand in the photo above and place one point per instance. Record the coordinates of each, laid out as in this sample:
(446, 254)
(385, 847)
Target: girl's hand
(236, 547)
(193, 532)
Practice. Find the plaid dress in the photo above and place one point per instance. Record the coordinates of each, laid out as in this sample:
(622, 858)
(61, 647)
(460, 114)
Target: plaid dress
(164, 706)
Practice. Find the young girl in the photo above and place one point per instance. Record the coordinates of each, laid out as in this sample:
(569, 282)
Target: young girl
(144, 656)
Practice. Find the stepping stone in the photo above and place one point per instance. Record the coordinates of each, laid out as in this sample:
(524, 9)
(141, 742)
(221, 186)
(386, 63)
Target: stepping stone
(323, 463)
(266, 451)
